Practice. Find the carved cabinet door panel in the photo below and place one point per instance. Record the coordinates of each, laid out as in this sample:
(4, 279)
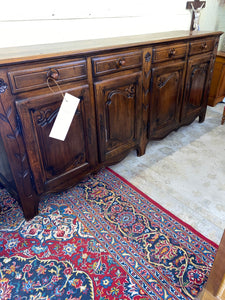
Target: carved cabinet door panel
(196, 88)
(53, 161)
(165, 100)
(118, 106)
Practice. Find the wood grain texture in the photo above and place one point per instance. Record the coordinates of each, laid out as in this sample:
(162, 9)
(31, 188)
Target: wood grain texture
(53, 161)
(131, 90)
(215, 286)
(166, 96)
(118, 103)
(54, 50)
(217, 89)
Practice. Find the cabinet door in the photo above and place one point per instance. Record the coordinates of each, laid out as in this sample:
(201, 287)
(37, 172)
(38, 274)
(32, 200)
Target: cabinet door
(118, 105)
(196, 88)
(165, 100)
(55, 164)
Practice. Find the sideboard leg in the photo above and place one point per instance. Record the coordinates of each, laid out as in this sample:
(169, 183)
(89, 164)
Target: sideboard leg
(13, 143)
(30, 206)
(202, 116)
(141, 149)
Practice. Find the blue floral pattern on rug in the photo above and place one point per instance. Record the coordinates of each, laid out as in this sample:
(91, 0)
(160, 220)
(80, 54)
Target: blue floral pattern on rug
(102, 239)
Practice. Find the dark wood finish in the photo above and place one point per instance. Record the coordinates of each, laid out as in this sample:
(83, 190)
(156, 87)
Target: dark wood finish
(116, 62)
(53, 161)
(166, 97)
(196, 91)
(118, 106)
(31, 77)
(146, 84)
(201, 46)
(217, 89)
(6, 179)
(89, 47)
(198, 79)
(132, 89)
(14, 146)
(196, 4)
(223, 117)
(174, 51)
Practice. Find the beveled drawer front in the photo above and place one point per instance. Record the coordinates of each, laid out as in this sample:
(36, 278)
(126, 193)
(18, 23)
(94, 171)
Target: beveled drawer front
(35, 77)
(169, 52)
(202, 46)
(116, 62)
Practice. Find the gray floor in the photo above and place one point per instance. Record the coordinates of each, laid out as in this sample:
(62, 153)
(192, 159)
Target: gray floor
(185, 173)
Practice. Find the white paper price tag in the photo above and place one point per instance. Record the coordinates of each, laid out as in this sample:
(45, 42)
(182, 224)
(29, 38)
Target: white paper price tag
(64, 118)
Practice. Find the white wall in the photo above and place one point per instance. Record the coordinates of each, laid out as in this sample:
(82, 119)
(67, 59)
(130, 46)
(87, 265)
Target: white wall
(27, 22)
(208, 17)
(213, 18)
(220, 25)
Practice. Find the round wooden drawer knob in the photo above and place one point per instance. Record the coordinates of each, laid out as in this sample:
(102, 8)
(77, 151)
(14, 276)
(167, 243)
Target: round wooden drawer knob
(121, 62)
(172, 52)
(53, 74)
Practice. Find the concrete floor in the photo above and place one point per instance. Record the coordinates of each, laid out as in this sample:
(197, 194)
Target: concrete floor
(185, 173)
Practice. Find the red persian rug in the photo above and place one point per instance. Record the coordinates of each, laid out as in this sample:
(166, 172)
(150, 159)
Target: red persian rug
(102, 239)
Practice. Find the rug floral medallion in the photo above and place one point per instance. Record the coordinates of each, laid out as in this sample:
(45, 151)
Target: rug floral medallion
(102, 239)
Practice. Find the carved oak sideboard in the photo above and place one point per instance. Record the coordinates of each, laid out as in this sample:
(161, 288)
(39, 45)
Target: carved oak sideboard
(131, 90)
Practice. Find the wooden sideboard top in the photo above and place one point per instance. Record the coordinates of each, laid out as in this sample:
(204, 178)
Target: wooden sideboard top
(221, 53)
(56, 50)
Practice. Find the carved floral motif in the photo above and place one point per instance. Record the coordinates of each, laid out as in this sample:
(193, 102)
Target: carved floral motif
(162, 80)
(147, 57)
(200, 69)
(3, 86)
(14, 135)
(128, 92)
(46, 117)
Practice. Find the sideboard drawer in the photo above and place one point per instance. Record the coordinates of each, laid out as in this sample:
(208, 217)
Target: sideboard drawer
(36, 76)
(169, 52)
(197, 47)
(117, 62)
